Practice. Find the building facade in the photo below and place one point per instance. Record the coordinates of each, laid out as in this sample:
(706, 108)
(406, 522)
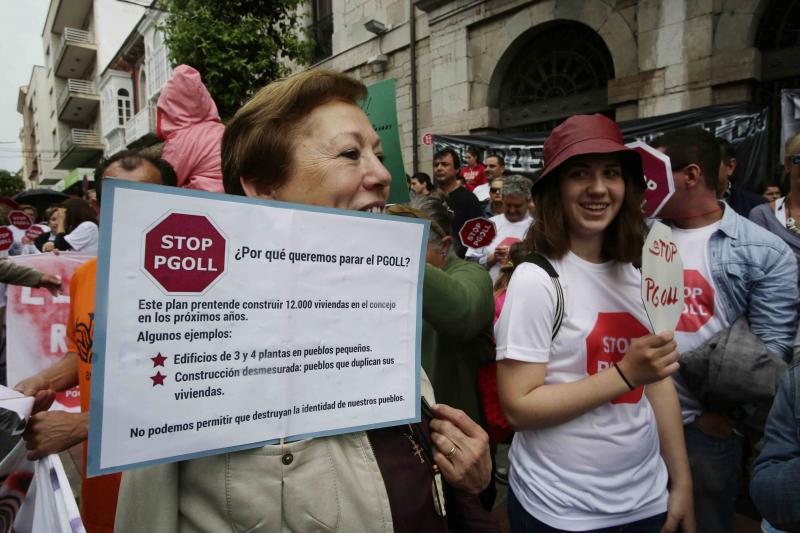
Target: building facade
(60, 105)
(131, 84)
(487, 66)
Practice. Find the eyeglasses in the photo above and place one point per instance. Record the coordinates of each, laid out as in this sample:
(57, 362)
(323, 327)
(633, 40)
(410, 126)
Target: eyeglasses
(495, 189)
(796, 159)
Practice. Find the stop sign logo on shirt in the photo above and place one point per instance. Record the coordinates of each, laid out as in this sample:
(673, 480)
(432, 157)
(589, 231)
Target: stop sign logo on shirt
(698, 302)
(184, 253)
(607, 343)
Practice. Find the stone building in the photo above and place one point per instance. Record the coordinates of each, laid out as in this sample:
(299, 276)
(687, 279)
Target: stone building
(485, 66)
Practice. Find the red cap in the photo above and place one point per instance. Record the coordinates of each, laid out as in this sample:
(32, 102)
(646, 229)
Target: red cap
(587, 134)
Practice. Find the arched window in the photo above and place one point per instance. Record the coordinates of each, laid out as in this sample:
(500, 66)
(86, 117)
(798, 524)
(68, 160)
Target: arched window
(551, 72)
(124, 106)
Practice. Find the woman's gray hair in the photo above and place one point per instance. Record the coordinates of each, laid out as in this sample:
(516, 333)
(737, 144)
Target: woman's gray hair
(436, 208)
(516, 185)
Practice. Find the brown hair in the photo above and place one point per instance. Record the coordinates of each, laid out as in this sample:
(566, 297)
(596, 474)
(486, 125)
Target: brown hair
(78, 211)
(258, 141)
(622, 239)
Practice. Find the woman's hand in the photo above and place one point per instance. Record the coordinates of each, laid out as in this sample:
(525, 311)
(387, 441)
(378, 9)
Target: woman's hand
(650, 358)
(61, 216)
(461, 449)
(680, 511)
(48, 246)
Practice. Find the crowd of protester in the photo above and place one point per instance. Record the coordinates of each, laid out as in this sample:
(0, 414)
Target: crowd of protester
(612, 426)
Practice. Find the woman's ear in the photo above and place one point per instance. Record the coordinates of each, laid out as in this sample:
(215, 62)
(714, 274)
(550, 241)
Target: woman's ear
(446, 242)
(251, 188)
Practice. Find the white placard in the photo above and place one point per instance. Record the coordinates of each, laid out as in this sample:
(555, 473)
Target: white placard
(225, 322)
(662, 279)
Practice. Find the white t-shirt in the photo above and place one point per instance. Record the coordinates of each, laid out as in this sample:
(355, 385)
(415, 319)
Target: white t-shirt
(481, 192)
(84, 238)
(507, 234)
(602, 468)
(702, 315)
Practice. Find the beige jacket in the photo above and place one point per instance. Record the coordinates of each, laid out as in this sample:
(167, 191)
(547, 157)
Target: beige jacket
(315, 485)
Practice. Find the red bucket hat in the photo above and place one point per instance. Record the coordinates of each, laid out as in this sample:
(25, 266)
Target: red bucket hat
(589, 134)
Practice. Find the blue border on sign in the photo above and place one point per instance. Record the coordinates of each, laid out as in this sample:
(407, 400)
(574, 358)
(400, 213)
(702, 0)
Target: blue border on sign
(110, 187)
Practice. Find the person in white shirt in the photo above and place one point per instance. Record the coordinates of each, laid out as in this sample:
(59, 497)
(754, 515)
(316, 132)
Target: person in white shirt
(80, 232)
(511, 226)
(599, 442)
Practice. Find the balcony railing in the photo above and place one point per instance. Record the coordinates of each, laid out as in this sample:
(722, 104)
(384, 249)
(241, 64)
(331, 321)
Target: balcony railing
(73, 36)
(79, 138)
(115, 141)
(77, 88)
(140, 125)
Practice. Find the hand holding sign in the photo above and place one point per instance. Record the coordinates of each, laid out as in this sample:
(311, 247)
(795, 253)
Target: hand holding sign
(662, 279)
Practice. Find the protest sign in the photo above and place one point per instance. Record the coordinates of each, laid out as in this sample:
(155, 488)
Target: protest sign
(19, 219)
(6, 238)
(659, 182)
(36, 322)
(33, 233)
(662, 279)
(477, 232)
(225, 322)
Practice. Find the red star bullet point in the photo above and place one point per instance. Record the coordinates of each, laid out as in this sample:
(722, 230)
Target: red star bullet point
(158, 379)
(158, 360)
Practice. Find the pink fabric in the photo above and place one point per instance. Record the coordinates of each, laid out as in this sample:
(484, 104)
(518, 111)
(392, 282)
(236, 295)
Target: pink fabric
(189, 124)
(499, 301)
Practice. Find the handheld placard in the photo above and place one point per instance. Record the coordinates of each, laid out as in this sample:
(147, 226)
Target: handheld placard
(662, 279)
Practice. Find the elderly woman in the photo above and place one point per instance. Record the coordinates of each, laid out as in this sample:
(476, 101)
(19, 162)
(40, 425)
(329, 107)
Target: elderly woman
(305, 140)
(511, 226)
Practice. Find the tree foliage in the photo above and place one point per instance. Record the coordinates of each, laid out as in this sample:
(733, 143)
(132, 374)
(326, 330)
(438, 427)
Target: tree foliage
(238, 46)
(10, 184)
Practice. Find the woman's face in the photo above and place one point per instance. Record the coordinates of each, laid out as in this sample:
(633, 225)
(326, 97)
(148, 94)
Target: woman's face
(470, 159)
(418, 187)
(772, 193)
(592, 192)
(336, 162)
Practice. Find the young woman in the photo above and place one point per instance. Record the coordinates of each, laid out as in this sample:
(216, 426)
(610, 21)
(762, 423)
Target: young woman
(78, 229)
(595, 449)
(474, 173)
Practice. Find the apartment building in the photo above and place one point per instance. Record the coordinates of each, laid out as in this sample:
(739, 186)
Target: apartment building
(130, 86)
(61, 104)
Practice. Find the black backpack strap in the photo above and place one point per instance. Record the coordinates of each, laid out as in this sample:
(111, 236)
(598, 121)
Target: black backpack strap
(544, 263)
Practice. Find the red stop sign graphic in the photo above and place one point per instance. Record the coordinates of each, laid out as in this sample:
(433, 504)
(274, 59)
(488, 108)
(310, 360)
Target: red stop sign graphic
(184, 253)
(477, 232)
(19, 219)
(6, 238)
(658, 179)
(607, 343)
(427, 139)
(698, 302)
(33, 233)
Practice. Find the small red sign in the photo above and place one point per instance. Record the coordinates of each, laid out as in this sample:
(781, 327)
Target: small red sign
(19, 219)
(658, 179)
(6, 238)
(427, 139)
(698, 302)
(477, 232)
(184, 253)
(607, 344)
(33, 233)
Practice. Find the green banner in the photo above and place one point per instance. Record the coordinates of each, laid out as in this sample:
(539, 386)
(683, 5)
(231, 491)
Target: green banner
(381, 108)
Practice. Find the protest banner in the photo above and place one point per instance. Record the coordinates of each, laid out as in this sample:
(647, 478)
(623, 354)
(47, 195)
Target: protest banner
(662, 279)
(226, 322)
(36, 323)
(745, 127)
(381, 109)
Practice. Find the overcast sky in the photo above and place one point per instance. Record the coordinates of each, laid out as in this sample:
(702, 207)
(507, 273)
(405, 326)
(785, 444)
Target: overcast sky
(21, 23)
